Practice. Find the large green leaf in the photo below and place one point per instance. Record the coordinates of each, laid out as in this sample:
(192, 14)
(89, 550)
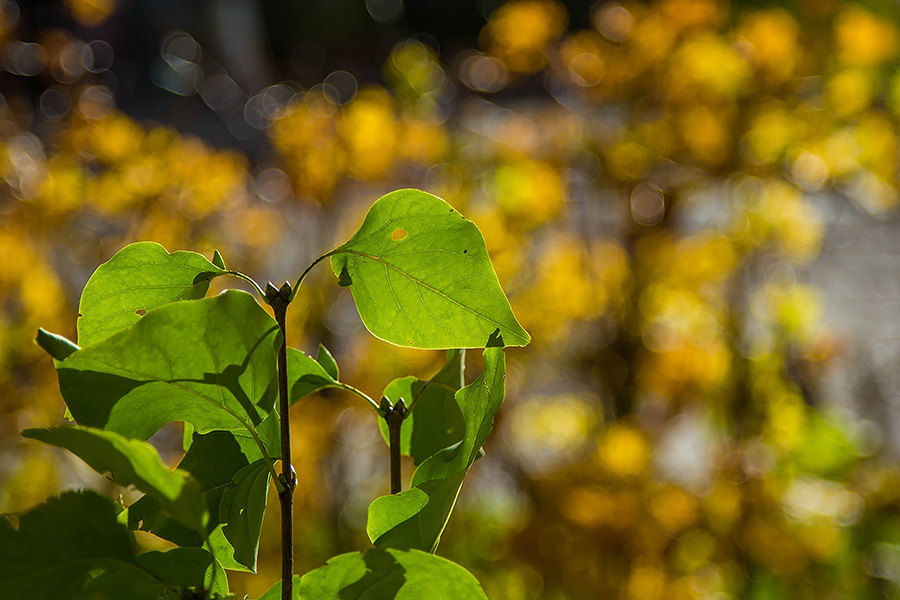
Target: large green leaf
(73, 544)
(131, 462)
(210, 363)
(385, 574)
(416, 518)
(215, 460)
(137, 278)
(421, 276)
(434, 422)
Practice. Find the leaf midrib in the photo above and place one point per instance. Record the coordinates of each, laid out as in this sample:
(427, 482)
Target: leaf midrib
(430, 288)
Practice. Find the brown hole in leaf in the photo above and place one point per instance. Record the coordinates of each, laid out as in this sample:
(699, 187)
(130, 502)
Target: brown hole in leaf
(398, 234)
(140, 312)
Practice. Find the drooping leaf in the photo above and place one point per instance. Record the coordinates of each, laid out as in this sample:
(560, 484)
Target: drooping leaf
(416, 517)
(307, 375)
(215, 459)
(54, 344)
(421, 276)
(210, 363)
(61, 549)
(137, 278)
(385, 574)
(131, 462)
(434, 422)
(242, 511)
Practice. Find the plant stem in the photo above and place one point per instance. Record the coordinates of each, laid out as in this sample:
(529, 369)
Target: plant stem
(394, 419)
(279, 300)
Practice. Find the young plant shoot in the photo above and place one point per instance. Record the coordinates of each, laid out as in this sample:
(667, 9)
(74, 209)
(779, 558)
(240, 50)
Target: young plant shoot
(153, 349)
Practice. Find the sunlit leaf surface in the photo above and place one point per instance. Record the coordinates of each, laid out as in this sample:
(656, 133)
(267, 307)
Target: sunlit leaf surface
(137, 278)
(384, 575)
(421, 276)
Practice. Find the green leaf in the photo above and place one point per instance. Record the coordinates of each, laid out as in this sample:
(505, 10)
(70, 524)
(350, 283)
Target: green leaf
(187, 568)
(328, 363)
(55, 345)
(434, 422)
(214, 459)
(137, 278)
(416, 518)
(307, 375)
(210, 363)
(131, 462)
(384, 574)
(183, 568)
(72, 545)
(421, 276)
(242, 509)
(218, 260)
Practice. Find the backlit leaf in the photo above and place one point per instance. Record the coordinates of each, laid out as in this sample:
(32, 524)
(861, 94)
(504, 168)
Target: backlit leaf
(433, 286)
(210, 363)
(384, 574)
(131, 462)
(137, 278)
(307, 375)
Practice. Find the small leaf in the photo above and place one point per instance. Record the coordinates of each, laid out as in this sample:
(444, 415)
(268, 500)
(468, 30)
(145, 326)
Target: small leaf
(416, 518)
(324, 358)
(218, 260)
(139, 277)
(344, 279)
(307, 375)
(55, 345)
(435, 286)
(131, 462)
(383, 575)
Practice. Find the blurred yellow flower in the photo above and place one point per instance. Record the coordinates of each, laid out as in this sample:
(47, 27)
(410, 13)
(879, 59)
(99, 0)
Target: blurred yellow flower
(530, 191)
(519, 32)
(849, 91)
(864, 39)
(674, 509)
(368, 127)
(706, 64)
(623, 451)
(90, 13)
(707, 133)
(772, 130)
(772, 35)
(686, 14)
(647, 581)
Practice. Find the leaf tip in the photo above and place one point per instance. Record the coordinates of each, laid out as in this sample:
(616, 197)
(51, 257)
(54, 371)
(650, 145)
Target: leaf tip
(55, 345)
